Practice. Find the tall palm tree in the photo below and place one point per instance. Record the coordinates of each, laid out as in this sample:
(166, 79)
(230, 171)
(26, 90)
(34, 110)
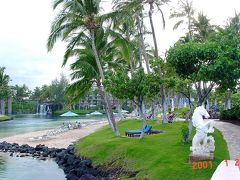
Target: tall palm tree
(85, 71)
(185, 13)
(202, 28)
(133, 9)
(76, 18)
(158, 4)
(234, 22)
(4, 89)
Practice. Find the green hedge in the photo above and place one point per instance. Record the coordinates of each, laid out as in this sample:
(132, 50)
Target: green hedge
(231, 114)
(234, 113)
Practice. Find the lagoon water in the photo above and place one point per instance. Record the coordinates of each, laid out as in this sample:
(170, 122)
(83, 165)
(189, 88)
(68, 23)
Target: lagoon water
(28, 168)
(29, 123)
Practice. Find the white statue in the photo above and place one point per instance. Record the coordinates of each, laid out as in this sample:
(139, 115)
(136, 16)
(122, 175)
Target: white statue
(201, 143)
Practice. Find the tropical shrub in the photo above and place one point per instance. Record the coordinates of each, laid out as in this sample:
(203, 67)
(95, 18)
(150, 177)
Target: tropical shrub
(234, 113)
(185, 134)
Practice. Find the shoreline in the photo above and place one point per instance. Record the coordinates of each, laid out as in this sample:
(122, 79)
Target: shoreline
(62, 140)
(4, 118)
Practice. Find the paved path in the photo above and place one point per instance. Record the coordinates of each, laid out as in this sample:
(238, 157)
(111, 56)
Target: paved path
(231, 134)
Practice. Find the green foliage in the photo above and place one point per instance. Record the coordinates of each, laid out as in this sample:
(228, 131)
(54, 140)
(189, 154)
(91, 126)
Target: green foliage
(4, 118)
(185, 134)
(157, 156)
(234, 113)
(236, 100)
(24, 107)
(231, 114)
(4, 80)
(192, 60)
(181, 112)
(202, 28)
(36, 94)
(206, 65)
(57, 90)
(140, 85)
(53, 92)
(21, 92)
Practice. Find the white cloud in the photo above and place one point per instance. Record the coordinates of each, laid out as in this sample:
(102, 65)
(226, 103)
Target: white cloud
(25, 26)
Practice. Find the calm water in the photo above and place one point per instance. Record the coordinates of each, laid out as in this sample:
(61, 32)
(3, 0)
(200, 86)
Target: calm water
(27, 168)
(30, 123)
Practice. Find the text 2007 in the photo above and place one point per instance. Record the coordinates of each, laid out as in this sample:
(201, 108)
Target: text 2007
(201, 165)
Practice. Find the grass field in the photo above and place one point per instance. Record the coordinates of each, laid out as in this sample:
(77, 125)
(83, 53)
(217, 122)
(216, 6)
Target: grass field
(155, 157)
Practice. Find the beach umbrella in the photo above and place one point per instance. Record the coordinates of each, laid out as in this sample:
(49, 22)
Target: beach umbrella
(95, 113)
(69, 114)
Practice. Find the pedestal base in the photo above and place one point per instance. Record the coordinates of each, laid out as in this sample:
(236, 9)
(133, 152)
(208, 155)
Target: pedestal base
(203, 157)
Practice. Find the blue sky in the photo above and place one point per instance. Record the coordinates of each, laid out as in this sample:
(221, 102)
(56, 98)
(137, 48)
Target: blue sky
(25, 26)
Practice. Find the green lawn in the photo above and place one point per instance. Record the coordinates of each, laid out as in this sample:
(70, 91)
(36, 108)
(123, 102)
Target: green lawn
(161, 156)
(4, 118)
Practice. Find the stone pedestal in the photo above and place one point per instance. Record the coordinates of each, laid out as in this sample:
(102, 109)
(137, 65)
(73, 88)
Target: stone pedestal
(203, 157)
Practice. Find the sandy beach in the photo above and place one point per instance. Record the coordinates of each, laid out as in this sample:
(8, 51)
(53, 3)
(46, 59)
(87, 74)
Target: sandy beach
(61, 140)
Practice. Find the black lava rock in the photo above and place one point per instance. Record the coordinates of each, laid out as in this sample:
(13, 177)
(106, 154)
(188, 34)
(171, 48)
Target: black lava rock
(88, 177)
(75, 167)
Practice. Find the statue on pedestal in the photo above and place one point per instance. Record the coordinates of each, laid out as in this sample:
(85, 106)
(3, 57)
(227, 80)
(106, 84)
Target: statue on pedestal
(202, 144)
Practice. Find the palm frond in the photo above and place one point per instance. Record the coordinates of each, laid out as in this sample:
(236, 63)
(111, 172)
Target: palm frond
(177, 24)
(56, 3)
(163, 19)
(70, 47)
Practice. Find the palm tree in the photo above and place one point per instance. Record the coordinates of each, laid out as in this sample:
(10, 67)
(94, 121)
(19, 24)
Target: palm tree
(76, 18)
(202, 28)
(133, 9)
(234, 22)
(158, 4)
(185, 13)
(4, 89)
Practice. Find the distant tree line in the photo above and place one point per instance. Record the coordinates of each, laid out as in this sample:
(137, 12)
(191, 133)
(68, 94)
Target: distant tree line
(22, 100)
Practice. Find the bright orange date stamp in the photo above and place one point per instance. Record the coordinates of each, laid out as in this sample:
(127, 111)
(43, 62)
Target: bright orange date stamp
(201, 165)
(208, 164)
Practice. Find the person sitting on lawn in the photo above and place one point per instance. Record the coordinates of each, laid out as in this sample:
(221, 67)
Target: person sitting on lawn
(170, 116)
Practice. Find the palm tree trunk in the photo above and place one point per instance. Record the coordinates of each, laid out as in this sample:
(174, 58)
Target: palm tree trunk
(3, 106)
(9, 105)
(153, 31)
(154, 117)
(139, 25)
(105, 96)
(143, 116)
(164, 105)
(162, 91)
